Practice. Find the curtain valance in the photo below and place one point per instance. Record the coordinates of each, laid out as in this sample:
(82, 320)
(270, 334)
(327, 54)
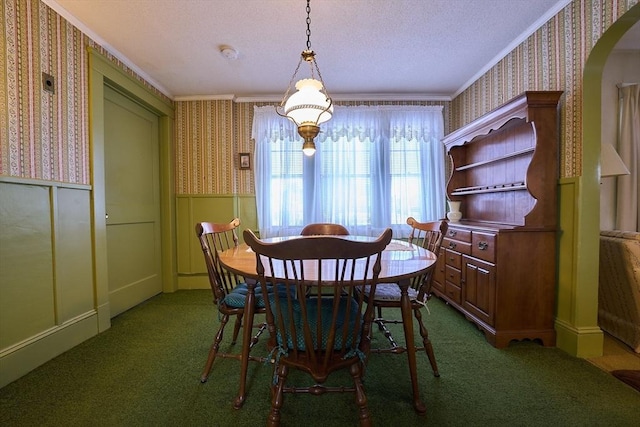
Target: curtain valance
(365, 123)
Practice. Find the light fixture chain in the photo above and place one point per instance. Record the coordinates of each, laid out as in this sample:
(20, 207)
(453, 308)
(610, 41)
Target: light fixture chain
(324, 89)
(308, 24)
(293, 77)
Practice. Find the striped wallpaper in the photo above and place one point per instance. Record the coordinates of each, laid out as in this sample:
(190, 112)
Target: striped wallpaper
(205, 147)
(209, 136)
(45, 136)
(552, 58)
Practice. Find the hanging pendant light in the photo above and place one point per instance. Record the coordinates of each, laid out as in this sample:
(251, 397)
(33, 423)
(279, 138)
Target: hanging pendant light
(310, 105)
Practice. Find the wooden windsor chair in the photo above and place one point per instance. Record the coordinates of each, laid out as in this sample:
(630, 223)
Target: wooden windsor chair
(230, 294)
(321, 323)
(428, 235)
(324, 229)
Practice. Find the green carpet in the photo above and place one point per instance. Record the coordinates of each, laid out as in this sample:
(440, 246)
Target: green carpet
(145, 371)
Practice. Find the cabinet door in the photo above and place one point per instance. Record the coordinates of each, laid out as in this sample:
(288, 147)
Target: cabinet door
(479, 288)
(438, 274)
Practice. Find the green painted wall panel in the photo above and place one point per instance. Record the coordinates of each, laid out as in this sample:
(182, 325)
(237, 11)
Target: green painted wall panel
(213, 208)
(47, 291)
(26, 263)
(248, 213)
(191, 210)
(567, 196)
(578, 336)
(184, 232)
(73, 253)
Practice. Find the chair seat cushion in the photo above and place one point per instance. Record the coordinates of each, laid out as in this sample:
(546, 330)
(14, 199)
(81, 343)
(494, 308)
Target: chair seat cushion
(238, 295)
(391, 292)
(347, 311)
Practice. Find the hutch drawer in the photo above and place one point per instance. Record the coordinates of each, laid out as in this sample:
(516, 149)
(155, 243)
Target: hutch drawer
(453, 292)
(455, 245)
(459, 234)
(453, 259)
(452, 274)
(483, 246)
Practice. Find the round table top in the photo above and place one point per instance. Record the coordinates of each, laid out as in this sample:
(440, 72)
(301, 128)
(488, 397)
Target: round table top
(400, 260)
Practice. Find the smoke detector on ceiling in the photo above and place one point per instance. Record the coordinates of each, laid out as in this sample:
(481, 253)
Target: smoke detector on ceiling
(228, 52)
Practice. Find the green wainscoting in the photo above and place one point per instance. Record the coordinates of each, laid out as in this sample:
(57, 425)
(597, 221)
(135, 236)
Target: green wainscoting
(577, 293)
(191, 209)
(47, 296)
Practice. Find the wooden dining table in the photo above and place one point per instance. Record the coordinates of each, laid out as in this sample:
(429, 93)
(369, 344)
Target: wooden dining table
(400, 262)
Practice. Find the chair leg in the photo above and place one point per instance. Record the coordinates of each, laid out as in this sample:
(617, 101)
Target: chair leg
(361, 399)
(213, 351)
(428, 347)
(236, 328)
(247, 329)
(277, 396)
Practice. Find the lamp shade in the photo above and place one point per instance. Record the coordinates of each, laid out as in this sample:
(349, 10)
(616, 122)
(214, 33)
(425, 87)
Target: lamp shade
(610, 162)
(309, 105)
(309, 148)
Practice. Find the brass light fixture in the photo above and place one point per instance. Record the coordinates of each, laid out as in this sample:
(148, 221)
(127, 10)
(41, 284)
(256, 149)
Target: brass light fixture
(310, 105)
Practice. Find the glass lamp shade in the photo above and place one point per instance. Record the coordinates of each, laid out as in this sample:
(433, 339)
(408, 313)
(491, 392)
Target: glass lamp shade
(309, 148)
(308, 104)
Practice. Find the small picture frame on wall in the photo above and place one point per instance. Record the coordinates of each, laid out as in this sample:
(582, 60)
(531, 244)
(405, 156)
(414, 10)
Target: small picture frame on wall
(244, 160)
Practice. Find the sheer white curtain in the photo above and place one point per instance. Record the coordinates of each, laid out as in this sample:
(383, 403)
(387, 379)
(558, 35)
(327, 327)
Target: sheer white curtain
(628, 190)
(373, 167)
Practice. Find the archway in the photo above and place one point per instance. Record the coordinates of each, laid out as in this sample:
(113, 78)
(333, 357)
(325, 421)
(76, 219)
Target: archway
(588, 226)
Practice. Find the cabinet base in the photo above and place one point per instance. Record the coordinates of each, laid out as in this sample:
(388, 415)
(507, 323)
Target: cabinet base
(502, 338)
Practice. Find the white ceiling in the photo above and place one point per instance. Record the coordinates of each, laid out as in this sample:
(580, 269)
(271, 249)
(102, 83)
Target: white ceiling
(366, 49)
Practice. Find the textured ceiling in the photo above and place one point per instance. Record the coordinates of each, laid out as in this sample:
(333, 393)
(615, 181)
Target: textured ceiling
(410, 49)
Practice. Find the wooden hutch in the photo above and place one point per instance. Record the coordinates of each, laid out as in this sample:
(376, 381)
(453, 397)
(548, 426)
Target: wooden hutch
(497, 265)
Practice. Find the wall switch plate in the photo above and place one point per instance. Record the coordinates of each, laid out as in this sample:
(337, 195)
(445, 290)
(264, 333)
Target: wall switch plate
(48, 82)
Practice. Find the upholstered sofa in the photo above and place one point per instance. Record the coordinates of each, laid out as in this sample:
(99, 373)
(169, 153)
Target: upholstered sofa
(619, 287)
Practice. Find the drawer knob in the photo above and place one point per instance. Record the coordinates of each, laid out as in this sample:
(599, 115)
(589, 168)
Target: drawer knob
(452, 245)
(483, 245)
(452, 233)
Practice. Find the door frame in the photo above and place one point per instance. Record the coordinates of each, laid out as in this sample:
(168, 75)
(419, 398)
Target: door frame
(103, 71)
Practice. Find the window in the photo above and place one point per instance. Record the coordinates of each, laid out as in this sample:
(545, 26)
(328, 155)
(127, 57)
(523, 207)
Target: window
(373, 168)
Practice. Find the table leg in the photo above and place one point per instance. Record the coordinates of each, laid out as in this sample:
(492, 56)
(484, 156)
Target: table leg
(247, 329)
(407, 322)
